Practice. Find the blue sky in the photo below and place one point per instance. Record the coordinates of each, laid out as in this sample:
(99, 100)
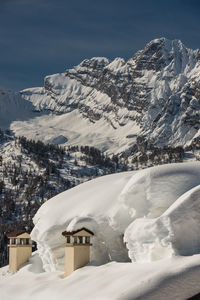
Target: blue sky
(41, 37)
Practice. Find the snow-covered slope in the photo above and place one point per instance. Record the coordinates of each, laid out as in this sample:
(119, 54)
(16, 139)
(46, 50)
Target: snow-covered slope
(109, 103)
(77, 130)
(13, 107)
(169, 279)
(148, 207)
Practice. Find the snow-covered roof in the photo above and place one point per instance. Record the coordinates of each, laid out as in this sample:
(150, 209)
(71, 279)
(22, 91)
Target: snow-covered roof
(124, 203)
(157, 209)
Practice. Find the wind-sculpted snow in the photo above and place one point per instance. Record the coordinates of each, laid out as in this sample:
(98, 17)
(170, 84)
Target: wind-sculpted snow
(140, 215)
(175, 232)
(86, 205)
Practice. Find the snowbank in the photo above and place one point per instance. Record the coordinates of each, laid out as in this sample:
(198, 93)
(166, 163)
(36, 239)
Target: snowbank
(148, 207)
(176, 278)
(176, 232)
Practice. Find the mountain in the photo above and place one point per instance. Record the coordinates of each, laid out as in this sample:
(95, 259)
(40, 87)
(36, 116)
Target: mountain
(154, 95)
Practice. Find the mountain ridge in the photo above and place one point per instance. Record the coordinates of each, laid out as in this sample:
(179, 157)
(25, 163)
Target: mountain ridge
(154, 94)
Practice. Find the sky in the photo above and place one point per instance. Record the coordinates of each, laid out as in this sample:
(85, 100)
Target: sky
(42, 37)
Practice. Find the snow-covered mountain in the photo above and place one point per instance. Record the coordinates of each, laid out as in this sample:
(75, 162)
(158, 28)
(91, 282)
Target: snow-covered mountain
(108, 104)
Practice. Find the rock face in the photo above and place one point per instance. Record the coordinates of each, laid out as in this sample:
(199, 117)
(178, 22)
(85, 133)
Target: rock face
(158, 89)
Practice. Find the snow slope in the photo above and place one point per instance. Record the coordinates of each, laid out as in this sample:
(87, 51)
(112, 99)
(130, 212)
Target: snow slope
(77, 130)
(169, 279)
(145, 206)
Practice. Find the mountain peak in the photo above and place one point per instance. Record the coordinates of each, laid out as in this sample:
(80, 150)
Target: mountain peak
(162, 52)
(167, 43)
(94, 62)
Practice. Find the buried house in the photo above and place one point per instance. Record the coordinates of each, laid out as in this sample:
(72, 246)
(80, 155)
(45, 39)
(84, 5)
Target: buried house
(77, 249)
(20, 249)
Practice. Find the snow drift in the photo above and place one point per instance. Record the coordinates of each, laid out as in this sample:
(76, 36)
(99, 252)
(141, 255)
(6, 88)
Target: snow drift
(174, 278)
(146, 212)
(174, 232)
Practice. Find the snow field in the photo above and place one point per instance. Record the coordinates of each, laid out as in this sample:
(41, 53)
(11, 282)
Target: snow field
(175, 278)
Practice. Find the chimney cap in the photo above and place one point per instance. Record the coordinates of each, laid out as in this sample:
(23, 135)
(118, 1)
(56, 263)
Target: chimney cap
(16, 233)
(65, 233)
